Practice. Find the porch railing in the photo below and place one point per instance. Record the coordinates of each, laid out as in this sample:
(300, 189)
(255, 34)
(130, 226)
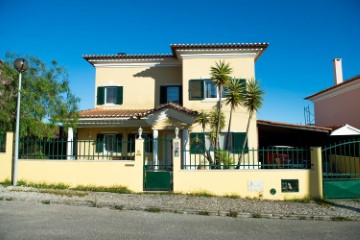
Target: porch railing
(265, 158)
(62, 149)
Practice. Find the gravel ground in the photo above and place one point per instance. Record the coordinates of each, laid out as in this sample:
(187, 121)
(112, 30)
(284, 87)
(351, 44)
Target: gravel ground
(334, 210)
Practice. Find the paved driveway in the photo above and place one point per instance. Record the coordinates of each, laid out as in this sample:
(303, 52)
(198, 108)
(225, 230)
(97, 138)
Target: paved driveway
(29, 220)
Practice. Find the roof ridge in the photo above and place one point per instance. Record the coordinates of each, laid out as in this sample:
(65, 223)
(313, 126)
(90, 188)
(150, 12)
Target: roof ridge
(349, 80)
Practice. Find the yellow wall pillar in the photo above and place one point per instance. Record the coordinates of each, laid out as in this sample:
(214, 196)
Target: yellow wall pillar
(7, 157)
(316, 174)
(176, 154)
(139, 165)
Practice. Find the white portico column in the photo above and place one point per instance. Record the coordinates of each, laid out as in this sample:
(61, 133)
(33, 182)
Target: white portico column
(155, 148)
(70, 141)
(186, 154)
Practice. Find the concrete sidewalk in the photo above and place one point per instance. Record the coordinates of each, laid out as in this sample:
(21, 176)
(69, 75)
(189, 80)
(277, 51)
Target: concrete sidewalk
(178, 203)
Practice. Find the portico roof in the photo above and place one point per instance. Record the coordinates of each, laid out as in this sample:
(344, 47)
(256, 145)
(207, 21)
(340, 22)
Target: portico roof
(131, 113)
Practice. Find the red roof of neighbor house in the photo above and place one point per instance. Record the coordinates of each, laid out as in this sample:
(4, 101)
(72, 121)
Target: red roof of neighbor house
(290, 125)
(350, 80)
(125, 113)
(174, 47)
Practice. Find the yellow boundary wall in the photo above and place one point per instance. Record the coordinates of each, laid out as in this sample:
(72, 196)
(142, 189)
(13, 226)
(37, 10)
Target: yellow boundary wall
(250, 183)
(245, 183)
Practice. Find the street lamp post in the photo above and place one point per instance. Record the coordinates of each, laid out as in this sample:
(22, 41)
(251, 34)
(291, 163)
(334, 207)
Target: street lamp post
(20, 65)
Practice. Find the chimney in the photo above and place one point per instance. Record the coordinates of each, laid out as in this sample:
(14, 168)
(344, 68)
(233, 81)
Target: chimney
(338, 74)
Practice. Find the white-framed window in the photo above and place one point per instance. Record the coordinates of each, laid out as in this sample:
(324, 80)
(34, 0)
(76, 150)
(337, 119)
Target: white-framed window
(108, 143)
(171, 94)
(109, 95)
(203, 89)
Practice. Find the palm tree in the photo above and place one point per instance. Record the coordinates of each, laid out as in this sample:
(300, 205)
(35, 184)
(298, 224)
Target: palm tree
(253, 101)
(202, 119)
(220, 75)
(234, 97)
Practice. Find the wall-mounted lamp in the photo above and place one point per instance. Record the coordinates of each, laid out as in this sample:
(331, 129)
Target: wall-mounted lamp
(176, 132)
(140, 131)
(89, 134)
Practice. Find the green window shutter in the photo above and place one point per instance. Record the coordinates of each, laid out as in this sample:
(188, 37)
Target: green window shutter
(238, 141)
(118, 143)
(197, 142)
(119, 95)
(100, 95)
(180, 96)
(100, 143)
(196, 89)
(163, 94)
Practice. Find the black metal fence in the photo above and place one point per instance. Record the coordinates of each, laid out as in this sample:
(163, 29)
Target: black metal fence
(62, 149)
(265, 158)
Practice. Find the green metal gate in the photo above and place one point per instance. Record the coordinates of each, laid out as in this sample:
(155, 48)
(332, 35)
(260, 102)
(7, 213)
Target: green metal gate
(341, 170)
(158, 174)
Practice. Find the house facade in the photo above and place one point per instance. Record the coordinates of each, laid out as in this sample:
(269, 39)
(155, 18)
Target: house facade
(336, 105)
(161, 93)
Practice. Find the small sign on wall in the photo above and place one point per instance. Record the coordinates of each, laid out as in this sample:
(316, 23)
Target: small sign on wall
(176, 149)
(255, 186)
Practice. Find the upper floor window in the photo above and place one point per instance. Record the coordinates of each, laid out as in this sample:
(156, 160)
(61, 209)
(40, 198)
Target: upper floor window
(171, 94)
(205, 89)
(109, 95)
(210, 89)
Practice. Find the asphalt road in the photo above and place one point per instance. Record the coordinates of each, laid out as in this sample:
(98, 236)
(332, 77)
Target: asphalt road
(29, 220)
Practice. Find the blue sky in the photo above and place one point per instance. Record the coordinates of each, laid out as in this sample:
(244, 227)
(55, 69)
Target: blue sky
(304, 37)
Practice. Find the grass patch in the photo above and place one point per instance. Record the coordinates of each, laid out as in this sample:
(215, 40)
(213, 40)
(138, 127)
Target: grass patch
(340, 218)
(45, 201)
(232, 214)
(233, 196)
(202, 194)
(323, 202)
(153, 210)
(299, 200)
(111, 189)
(118, 207)
(63, 186)
(1, 198)
(256, 215)
(203, 213)
(6, 183)
(43, 185)
(9, 199)
(94, 203)
(66, 193)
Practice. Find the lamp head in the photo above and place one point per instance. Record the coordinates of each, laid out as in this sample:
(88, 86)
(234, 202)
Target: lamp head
(21, 65)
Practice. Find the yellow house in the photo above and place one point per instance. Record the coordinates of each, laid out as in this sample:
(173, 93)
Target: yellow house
(162, 94)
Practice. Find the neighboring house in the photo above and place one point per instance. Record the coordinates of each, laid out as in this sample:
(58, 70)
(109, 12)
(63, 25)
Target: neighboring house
(338, 105)
(161, 92)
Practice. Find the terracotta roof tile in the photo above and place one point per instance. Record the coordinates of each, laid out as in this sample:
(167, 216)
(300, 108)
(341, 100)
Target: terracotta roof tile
(123, 56)
(263, 46)
(353, 79)
(125, 113)
(126, 56)
(110, 113)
